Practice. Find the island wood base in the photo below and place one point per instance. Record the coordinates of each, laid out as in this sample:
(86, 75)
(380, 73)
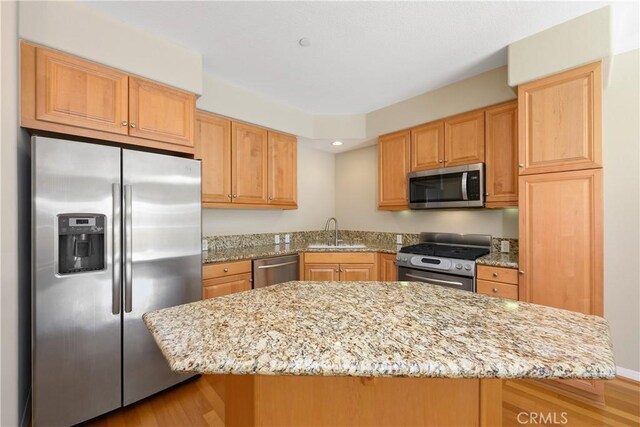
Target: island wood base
(341, 401)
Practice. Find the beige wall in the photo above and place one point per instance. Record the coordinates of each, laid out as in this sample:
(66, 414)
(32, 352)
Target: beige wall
(76, 28)
(579, 41)
(479, 91)
(15, 342)
(316, 203)
(621, 156)
(357, 201)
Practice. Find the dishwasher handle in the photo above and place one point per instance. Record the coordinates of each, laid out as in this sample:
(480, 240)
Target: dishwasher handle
(282, 264)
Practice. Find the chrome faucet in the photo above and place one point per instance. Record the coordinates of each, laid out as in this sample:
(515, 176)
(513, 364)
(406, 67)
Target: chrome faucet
(335, 224)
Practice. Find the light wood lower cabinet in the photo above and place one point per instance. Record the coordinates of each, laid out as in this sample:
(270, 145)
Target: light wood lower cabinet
(497, 281)
(339, 266)
(501, 155)
(387, 269)
(226, 278)
(497, 289)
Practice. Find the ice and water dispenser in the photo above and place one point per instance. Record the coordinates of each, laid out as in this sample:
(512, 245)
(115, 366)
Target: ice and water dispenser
(81, 243)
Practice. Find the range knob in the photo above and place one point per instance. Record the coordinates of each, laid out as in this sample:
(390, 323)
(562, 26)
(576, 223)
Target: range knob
(467, 267)
(459, 266)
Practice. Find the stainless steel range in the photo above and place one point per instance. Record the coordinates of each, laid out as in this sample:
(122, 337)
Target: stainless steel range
(443, 259)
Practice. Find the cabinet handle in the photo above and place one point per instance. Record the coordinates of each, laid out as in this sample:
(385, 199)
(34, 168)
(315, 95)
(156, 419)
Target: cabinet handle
(124, 123)
(133, 125)
(495, 274)
(226, 270)
(495, 290)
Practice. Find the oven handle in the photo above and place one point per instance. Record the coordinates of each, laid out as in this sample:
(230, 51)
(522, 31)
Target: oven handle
(464, 186)
(437, 281)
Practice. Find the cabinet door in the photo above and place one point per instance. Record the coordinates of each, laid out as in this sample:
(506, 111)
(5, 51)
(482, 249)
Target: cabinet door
(80, 93)
(561, 240)
(213, 148)
(161, 113)
(464, 139)
(212, 288)
(248, 164)
(501, 125)
(357, 272)
(282, 168)
(560, 121)
(393, 166)
(388, 272)
(427, 147)
(322, 272)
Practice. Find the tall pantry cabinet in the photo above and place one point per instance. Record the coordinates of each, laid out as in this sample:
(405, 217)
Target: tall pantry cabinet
(560, 196)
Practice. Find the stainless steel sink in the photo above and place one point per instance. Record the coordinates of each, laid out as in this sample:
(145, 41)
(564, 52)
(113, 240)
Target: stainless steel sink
(338, 246)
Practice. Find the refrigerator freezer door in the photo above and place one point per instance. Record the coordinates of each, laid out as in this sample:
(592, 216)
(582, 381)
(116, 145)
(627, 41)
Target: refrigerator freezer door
(163, 266)
(76, 335)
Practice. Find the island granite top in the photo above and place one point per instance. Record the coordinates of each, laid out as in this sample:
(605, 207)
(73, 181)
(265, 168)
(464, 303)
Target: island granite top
(374, 329)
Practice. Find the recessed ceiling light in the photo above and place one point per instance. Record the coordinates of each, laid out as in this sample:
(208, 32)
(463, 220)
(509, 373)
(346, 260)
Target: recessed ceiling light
(304, 42)
(336, 143)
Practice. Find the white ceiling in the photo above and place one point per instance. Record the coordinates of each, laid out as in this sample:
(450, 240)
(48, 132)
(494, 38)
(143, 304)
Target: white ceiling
(363, 55)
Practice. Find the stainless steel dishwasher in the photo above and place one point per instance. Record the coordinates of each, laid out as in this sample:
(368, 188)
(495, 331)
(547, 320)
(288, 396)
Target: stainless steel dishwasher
(269, 271)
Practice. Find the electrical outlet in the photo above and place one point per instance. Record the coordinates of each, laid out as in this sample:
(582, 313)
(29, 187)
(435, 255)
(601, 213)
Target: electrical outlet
(277, 239)
(287, 238)
(504, 246)
(399, 239)
(205, 244)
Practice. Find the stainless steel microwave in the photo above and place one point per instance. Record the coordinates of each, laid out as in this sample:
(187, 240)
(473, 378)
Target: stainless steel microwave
(454, 187)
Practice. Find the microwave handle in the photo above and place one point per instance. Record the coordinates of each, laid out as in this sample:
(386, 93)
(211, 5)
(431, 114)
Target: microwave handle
(464, 186)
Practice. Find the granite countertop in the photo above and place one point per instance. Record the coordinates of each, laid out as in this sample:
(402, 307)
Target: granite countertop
(252, 252)
(499, 259)
(373, 329)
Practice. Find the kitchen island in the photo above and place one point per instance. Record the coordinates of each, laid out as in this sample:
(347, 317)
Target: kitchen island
(314, 353)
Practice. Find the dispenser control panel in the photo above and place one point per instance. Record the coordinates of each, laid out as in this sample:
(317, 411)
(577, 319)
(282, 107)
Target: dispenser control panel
(81, 243)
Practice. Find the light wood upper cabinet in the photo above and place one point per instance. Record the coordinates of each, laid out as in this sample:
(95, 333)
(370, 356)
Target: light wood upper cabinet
(161, 113)
(68, 95)
(282, 169)
(388, 272)
(393, 167)
(561, 240)
(80, 93)
(464, 139)
(561, 121)
(213, 148)
(249, 164)
(427, 146)
(501, 127)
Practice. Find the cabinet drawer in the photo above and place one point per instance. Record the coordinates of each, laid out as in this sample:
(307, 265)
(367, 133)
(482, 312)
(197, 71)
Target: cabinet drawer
(496, 289)
(498, 274)
(212, 288)
(340, 257)
(226, 269)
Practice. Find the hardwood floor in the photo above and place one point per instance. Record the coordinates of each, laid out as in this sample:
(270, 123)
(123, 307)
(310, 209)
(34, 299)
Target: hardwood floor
(200, 402)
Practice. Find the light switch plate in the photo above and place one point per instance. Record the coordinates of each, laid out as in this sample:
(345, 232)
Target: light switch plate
(399, 239)
(504, 246)
(277, 239)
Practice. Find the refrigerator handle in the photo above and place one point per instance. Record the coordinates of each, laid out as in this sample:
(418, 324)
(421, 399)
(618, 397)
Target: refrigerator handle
(116, 284)
(127, 250)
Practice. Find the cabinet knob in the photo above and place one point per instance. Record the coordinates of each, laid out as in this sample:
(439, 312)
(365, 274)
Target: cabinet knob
(521, 271)
(229, 195)
(133, 125)
(440, 161)
(494, 290)
(125, 123)
(521, 165)
(486, 194)
(235, 196)
(337, 271)
(495, 274)
(226, 270)
(270, 198)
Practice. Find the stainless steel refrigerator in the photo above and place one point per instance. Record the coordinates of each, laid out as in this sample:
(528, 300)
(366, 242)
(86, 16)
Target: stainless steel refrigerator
(116, 233)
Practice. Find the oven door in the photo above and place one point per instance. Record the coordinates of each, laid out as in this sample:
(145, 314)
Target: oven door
(448, 280)
(460, 186)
